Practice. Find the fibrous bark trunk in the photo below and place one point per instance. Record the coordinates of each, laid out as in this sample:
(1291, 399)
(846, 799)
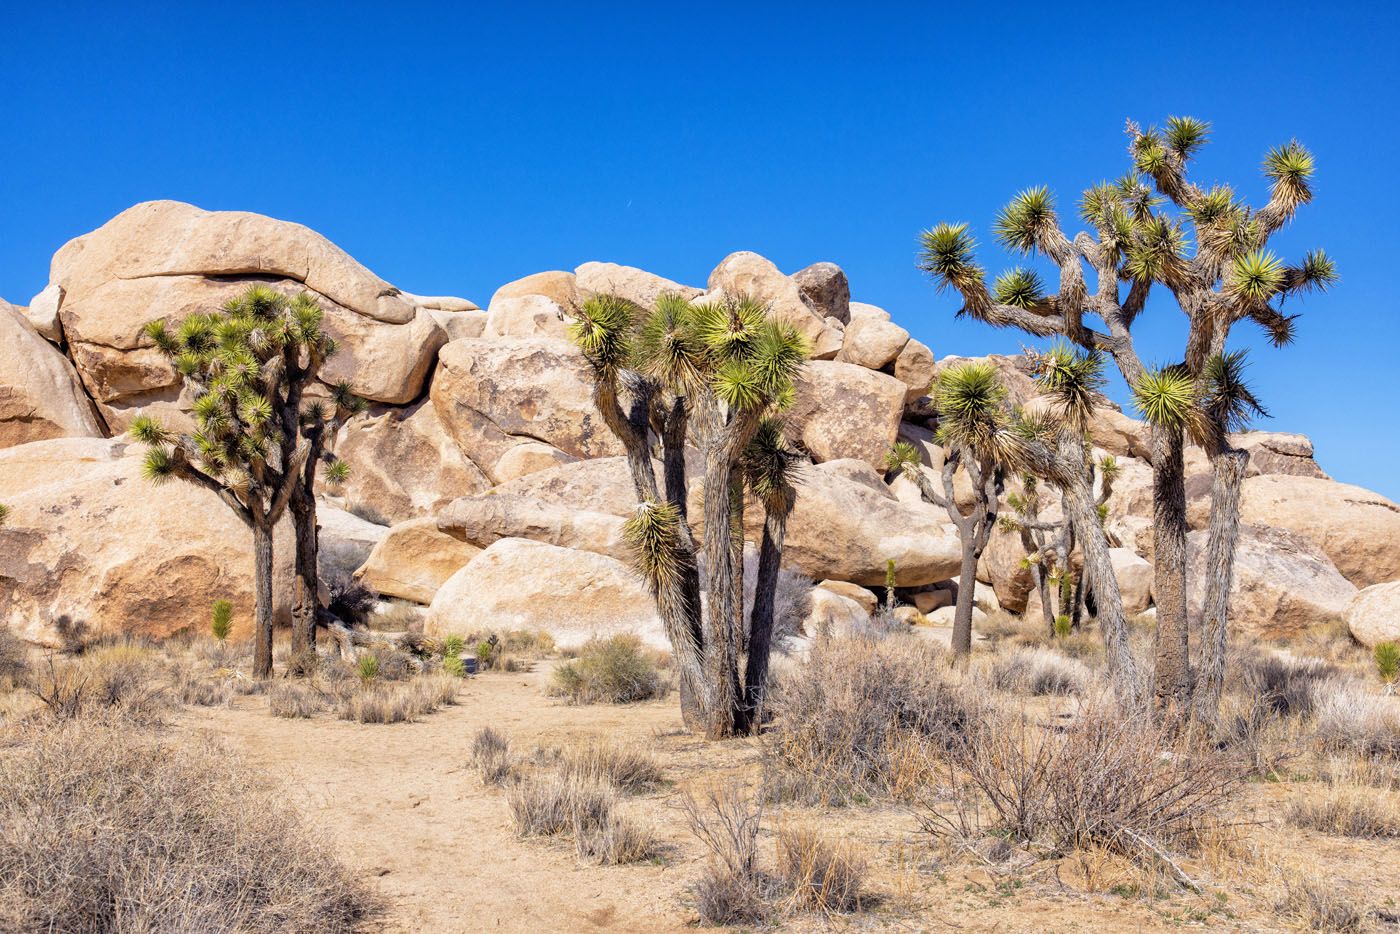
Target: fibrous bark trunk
(967, 589)
(770, 559)
(721, 646)
(1172, 679)
(262, 603)
(307, 583)
(1229, 466)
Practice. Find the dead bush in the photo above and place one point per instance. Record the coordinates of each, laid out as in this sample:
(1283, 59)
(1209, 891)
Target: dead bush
(858, 717)
(490, 754)
(293, 701)
(1112, 779)
(1038, 671)
(1347, 717)
(1323, 906)
(817, 873)
(731, 889)
(613, 842)
(627, 768)
(616, 670)
(117, 677)
(1286, 684)
(553, 804)
(197, 689)
(1349, 811)
(397, 702)
(103, 829)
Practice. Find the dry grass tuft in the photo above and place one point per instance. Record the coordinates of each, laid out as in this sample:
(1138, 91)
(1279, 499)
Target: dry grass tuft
(1349, 811)
(617, 670)
(14, 660)
(817, 873)
(102, 829)
(628, 768)
(122, 677)
(398, 702)
(1037, 672)
(293, 701)
(553, 804)
(731, 889)
(1322, 906)
(490, 755)
(1347, 717)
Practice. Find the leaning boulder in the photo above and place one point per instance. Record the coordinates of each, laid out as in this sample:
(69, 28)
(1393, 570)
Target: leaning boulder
(824, 288)
(843, 410)
(557, 286)
(40, 396)
(872, 343)
(1373, 614)
(572, 595)
(414, 559)
(636, 285)
(1284, 585)
(526, 316)
(602, 484)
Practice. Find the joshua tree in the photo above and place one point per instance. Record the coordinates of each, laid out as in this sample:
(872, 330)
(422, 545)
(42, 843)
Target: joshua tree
(249, 365)
(1138, 241)
(976, 428)
(709, 374)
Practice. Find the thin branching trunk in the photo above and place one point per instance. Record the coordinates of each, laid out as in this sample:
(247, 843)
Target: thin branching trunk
(1229, 465)
(770, 559)
(262, 602)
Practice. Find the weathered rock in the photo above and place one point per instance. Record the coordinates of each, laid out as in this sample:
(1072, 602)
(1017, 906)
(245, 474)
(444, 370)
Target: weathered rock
(859, 594)
(746, 273)
(491, 393)
(572, 595)
(444, 303)
(863, 310)
(1358, 529)
(824, 288)
(528, 457)
(1002, 566)
(43, 313)
(346, 538)
(834, 614)
(96, 543)
(943, 616)
(828, 343)
(872, 343)
(844, 410)
(602, 484)
(635, 285)
(1134, 579)
(1119, 434)
(414, 559)
(926, 601)
(526, 316)
(1373, 614)
(460, 324)
(486, 518)
(40, 396)
(1283, 586)
(556, 285)
(1277, 452)
(382, 362)
(403, 464)
(914, 368)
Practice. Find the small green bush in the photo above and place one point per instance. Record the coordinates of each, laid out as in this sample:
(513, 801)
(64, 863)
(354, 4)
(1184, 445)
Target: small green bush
(617, 670)
(222, 620)
(486, 653)
(454, 666)
(1387, 660)
(1063, 626)
(453, 646)
(368, 667)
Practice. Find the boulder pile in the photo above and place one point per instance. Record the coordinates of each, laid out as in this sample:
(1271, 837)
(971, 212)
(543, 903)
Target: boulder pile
(495, 494)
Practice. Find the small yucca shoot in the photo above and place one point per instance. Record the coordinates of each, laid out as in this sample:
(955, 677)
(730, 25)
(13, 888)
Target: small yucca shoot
(454, 666)
(1063, 626)
(222, 619)
(453, 646)
(368, 667)
(1387, 661)
(486, 652)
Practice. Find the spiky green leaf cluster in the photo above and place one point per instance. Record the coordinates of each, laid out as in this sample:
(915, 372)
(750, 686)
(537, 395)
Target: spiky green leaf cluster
(654, 534)
(603, 330)
(903, 456)
(1072, 378)
(1185, 135)
(946, 253)
(770, 463)
(1255, 277)
(337, 471)
(1023, 223)
(1228, 399)
(1166, 397)
(1020, 288)
(1317, 271)
(1291, 168)
(973, 414)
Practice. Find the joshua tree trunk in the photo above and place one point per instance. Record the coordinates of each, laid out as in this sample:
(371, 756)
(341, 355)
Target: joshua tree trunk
(1229, 465)
(262, 604)
(967, 588)
(1172, 680)
(770, 559)
(721, 646)
(307, 602)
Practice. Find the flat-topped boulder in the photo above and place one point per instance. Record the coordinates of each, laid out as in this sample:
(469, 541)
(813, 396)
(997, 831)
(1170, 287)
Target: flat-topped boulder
(486, 518)
(413, 559)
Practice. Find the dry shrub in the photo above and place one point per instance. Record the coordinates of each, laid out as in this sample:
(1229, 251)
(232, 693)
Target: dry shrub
(117, 677)
(627, 768)
(1347, 717)
(1114, 779)
(614, 841)
(531, 643)
(14, 660)
(490, 754)
(616, 670)
(1286, 684)
(1323, 906)
(1349, 811)
(102, 829)
(194, 689)
(858, 718)
(294, 701)
(817, 873)
(731, 889)
(555, 805)
(1039, 672)
(398, 702)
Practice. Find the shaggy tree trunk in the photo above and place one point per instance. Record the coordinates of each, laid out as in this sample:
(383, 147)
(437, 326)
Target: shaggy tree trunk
(307, 584)
(770, 560)
(967, 589)
(721, 648)
(1229, 466)
(262, 604)
(1172, 680)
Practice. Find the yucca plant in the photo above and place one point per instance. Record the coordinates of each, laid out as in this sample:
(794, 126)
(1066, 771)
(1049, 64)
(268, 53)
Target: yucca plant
(254, 444)
(1387, 656)
(1155, 228)
(221, 620)
(708, 374)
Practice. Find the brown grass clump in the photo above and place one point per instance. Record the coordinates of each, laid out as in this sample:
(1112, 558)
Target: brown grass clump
(490, 754)
(398, 702)
(731, 889)
(1037, 672)
(1323, 906)
(1347, 717)
(122, 677)
(817, 873)
(858, 719)
(14, 660)
(1349, 811)
(553, 804)
(102, 829)
(617, 670)
(626, 768)
(292, 701)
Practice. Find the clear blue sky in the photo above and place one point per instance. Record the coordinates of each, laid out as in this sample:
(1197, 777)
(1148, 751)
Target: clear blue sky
(453, 148)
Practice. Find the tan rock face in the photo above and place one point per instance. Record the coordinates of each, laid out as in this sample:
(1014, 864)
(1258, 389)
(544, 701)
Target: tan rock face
(872, 343)
(43, 312)
(573, 595)
(487, 518)
(1277, 452)
(635, 285)
(414, 559)
(602, 484)
(1359, 530)
(1134, 579)
(1283, 584)
(528, 457)
(834, 614)
(557, 286)
(865, 310)
(459, 324)
(914, 368)
(492, 393)
(40, 396)
(824, 288)
(526, 316)
(1373, 614)
(1001, 567)
(859, 594)
(95, 542)
(749, 274)
(926, 601)
(403, 464)
(844, 410)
